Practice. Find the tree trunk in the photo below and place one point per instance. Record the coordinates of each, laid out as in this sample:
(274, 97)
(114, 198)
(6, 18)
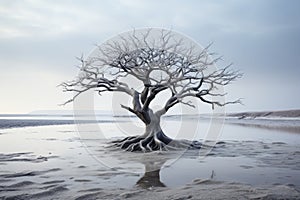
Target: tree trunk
(153, 139)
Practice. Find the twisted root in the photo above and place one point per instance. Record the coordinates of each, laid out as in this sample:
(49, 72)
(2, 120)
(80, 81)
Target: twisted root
(156, 142)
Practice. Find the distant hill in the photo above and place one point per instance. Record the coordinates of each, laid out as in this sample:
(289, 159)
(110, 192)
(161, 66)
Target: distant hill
(267, 114)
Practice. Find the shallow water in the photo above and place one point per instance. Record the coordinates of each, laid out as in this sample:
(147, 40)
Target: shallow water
(55, 158)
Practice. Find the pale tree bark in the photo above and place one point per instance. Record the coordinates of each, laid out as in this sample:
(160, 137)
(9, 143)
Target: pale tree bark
(183, 73)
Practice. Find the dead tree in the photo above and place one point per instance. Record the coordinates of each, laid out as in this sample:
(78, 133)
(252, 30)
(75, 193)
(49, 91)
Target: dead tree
(161, 63)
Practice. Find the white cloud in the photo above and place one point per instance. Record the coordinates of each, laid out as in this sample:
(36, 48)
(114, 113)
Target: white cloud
(46, 18)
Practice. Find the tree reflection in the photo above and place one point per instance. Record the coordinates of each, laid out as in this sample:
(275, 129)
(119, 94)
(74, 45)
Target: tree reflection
(151, 177)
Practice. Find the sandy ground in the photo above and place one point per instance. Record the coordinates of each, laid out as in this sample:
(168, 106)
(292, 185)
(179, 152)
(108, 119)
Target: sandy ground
(52, 162)
(200, 189)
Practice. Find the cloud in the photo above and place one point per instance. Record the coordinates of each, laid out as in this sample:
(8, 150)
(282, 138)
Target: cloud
(47, 18)
(58, 18)
(260, 37)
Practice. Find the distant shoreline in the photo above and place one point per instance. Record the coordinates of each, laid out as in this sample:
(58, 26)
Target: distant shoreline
(20, 123)
(293, 113)
(288, 120)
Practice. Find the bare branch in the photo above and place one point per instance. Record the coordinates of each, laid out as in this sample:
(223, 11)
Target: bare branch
(213, 103)
(163, 62)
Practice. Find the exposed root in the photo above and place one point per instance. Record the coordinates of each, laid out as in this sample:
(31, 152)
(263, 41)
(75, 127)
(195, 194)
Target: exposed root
(154, 142)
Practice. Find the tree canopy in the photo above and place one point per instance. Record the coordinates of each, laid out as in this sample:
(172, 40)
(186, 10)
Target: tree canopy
(162, 61)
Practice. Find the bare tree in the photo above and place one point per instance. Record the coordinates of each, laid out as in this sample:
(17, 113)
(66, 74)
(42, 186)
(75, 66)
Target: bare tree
(162, 63)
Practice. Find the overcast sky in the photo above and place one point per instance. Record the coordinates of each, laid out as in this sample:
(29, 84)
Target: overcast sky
(39, 41)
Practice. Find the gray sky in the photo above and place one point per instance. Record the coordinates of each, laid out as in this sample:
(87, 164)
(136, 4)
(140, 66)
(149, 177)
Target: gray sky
(39, 41)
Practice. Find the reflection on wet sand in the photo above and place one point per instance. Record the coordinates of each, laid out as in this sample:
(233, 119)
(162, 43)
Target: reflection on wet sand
(151, 178)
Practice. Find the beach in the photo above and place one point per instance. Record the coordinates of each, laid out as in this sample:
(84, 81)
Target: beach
(179, 100)
(58, 162)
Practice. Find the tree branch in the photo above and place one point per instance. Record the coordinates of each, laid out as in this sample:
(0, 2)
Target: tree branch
(153, 92)
(182, 68)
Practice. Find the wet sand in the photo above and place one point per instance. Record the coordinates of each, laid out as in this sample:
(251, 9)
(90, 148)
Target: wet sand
(52, 162)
